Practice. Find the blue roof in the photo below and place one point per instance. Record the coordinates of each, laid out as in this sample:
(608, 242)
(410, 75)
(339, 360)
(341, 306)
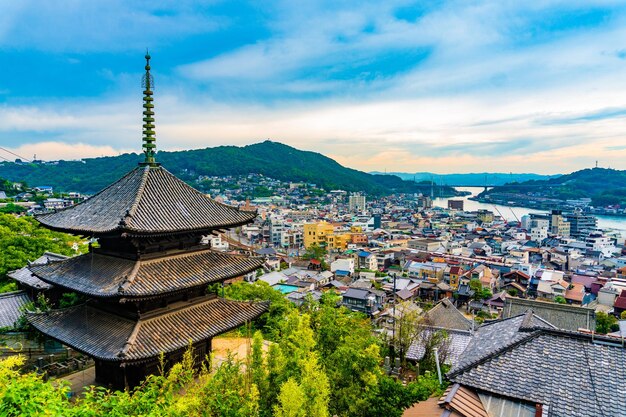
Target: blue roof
(342, 273)
(364, 254)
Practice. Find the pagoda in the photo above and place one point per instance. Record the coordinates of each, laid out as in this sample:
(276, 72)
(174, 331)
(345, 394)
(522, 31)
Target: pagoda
(146, 281)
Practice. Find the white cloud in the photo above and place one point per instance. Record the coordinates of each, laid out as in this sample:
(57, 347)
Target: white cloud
(494, 90)
(63, 150)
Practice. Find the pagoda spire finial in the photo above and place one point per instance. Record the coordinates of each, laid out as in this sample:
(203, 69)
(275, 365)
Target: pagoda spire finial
(149, 139)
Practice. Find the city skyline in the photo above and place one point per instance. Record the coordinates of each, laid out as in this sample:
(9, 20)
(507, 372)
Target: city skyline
(443, 87)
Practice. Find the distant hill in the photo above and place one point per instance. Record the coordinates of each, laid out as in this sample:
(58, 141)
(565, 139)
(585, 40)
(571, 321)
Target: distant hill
(479, 179)
(604, 187)
(268, 158)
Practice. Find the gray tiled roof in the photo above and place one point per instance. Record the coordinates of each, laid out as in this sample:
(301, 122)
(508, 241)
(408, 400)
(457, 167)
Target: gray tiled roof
(26, 277)
(11, 304)
(147, 200)
(446, 316)
(569, 373)
(458, 341)
(357, 293)
(563, 316)
(496, 335)
(107, 276)
(107, 336)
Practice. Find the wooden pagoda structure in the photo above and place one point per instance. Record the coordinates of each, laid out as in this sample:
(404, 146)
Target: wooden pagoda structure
(146, 282)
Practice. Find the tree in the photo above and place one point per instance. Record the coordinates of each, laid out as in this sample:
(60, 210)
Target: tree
(480, 292)
(290, 400)
(408, 327)
(559, 299)
(314, 384)
(315, 252)
(23, 239)
(606, 323)
(390, 397)
(622, 316)
(270, 322)
(324, 362)
(11, 208)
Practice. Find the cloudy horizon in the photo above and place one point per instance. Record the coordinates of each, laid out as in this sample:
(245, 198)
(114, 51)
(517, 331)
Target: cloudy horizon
(401, 86)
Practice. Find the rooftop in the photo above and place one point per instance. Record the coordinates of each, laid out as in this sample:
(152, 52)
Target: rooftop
(107, 276)
(569, 373)
(107, 336)
(11, 304)
(147, 200)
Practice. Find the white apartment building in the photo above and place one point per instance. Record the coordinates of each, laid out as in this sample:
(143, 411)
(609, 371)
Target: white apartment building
(356, 202)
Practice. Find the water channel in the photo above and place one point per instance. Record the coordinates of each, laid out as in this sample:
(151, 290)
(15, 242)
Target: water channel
(510, 213)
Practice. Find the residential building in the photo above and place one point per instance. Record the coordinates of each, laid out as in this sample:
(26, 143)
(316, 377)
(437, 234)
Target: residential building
(426, 245)
(581, 224)
(363, 300)
(316, 233)
(342, 264)
(356, 202)
(455, 205)
(523, 366)
(484, 215)
(558, 224)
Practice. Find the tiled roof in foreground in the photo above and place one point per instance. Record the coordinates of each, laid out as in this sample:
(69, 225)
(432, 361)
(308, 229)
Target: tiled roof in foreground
(569, 373)
(147, 200)
(106, 336)
(107, 276)
(11, 304)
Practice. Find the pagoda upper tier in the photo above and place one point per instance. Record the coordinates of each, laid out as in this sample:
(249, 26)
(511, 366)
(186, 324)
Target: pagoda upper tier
(149, 200)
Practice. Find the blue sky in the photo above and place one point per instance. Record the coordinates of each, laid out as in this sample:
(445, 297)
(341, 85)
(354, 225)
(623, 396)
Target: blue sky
(439, 86)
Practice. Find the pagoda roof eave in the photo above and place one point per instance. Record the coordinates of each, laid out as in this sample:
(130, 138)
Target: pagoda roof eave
(109, 337)
(147, 201)
(104, 276)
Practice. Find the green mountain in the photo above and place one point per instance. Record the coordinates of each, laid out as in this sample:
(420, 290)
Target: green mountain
(271, 159)
(604, 187)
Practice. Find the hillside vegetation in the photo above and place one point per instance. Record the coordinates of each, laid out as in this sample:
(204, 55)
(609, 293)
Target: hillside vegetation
(604, 186)
(268, 158)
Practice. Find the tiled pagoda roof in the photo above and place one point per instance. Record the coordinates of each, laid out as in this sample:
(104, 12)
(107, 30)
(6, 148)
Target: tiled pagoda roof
(106, 276)
(110, 337)
(147, 200)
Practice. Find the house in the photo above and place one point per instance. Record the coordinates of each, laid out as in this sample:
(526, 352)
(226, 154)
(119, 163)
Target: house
(362, 300)
(273, 278)
(56, 203)
(426, 271)
(11, 306)
(620, 303)
(46, 189)
(563, 316)
(343, 264)
(515, 276)
(515, 289)
(524, 366)
(443, 316)
(425, 245)
(299, 297)
(455, 276)
(575, 293)
(366, 260)
(497, 301)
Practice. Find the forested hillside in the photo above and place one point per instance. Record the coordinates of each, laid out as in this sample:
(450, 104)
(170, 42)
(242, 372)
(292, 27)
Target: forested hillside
(268, 158)
(604, 187)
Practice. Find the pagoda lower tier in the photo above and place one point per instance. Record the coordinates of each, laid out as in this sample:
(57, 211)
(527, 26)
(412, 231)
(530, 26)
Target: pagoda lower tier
(126, 350)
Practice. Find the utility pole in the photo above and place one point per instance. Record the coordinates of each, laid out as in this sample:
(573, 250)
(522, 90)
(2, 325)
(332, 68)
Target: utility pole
(393, 330)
